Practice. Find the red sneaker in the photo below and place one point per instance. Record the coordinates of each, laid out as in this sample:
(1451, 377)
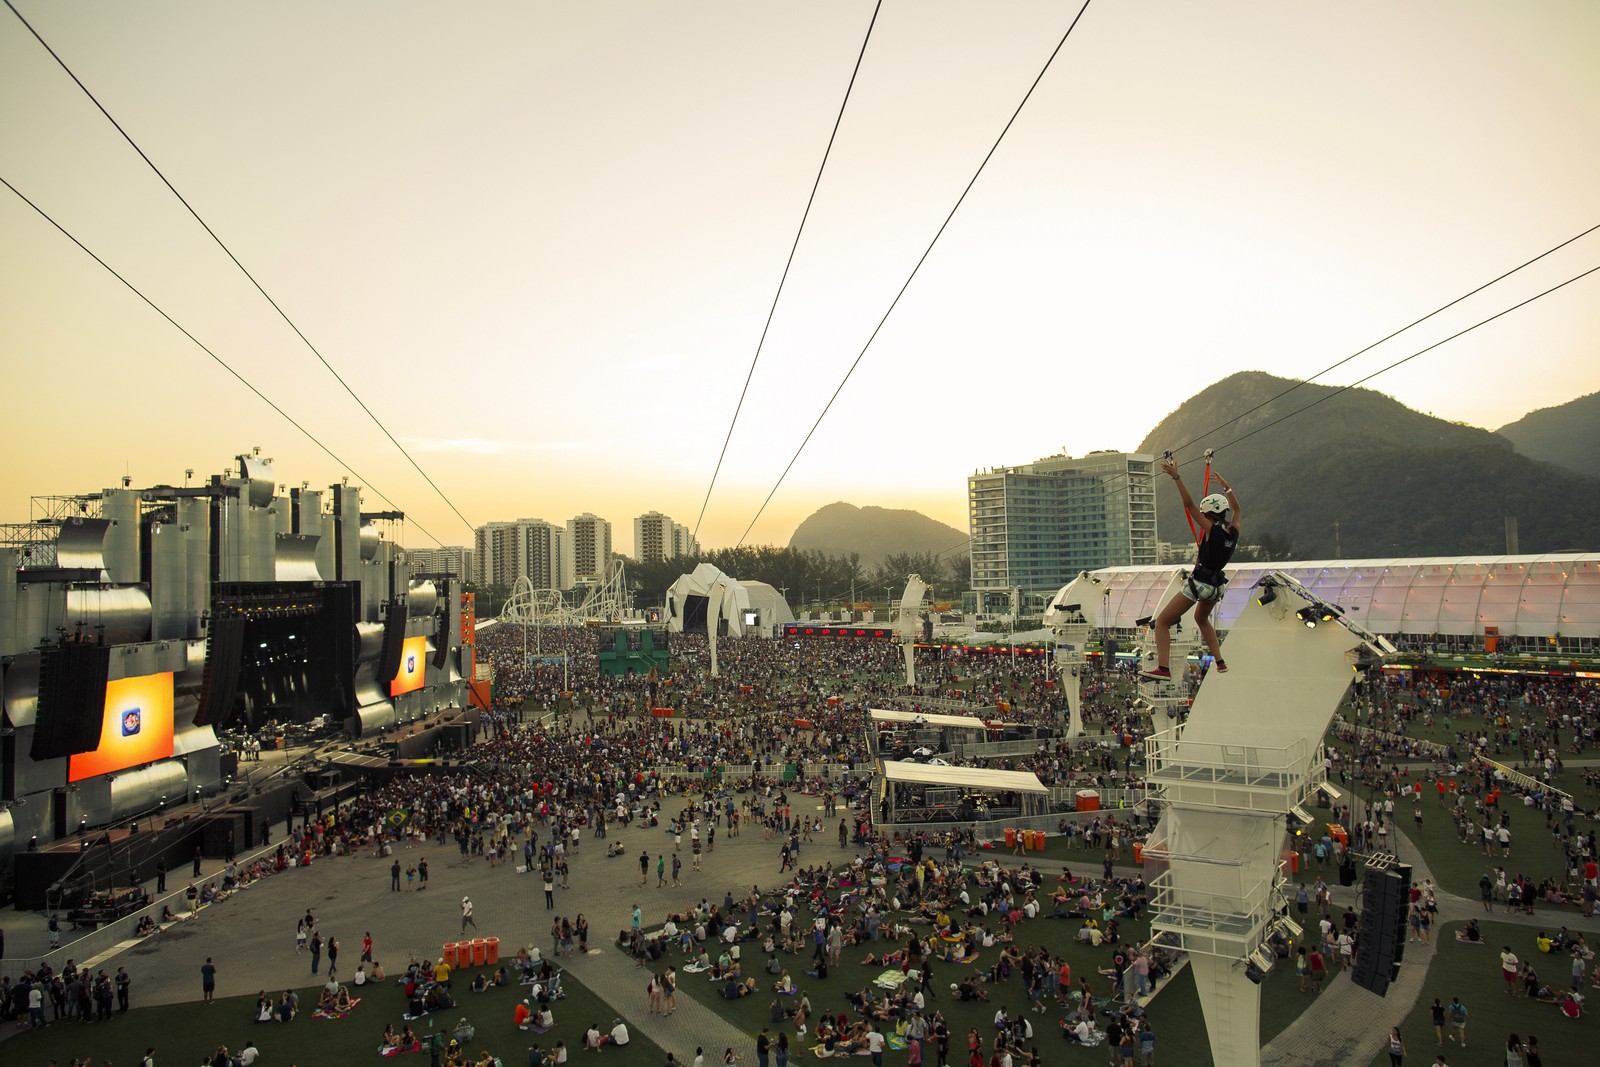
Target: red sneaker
(1222, 666)
(1156, 672)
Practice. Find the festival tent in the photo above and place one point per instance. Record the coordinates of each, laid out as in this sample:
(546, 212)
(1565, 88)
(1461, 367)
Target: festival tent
(707, 593)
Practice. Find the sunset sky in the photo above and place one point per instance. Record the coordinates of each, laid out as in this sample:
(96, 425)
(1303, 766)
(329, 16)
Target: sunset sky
(540, 240)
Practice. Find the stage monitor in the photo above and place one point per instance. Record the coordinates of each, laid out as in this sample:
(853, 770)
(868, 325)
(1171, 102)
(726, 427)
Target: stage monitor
(135, 728)
(413, 666)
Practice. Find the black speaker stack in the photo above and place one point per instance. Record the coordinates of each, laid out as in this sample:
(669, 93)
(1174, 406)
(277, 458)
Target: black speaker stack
(220, 682)
(72, 699)
(394, 641)
(1385, 901)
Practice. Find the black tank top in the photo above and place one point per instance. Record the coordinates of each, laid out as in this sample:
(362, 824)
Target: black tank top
(1217, 548)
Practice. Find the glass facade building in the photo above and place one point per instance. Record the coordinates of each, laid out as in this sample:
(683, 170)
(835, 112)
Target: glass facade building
(1036, 526)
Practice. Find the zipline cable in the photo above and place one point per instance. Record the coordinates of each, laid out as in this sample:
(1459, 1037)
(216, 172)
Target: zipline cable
(793, 247)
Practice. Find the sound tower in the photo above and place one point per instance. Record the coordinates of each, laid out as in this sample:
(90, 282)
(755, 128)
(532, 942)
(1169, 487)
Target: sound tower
(343, 641)
(394, 642)
(72, 699)
(220, 683)
(1385, 900)
(441, 636)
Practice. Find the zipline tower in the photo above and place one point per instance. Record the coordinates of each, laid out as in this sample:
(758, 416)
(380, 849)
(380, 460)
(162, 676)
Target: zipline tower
(1250, 752)
(1068, 618)
(906, 622)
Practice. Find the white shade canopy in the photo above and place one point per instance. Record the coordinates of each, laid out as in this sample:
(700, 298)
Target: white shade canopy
(966, 777)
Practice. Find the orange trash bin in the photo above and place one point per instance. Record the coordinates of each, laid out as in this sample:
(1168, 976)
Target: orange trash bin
(478, 951)
(1138, 854)
(450, 953)
(1038, 840)
(491, 951)
(1011, 837)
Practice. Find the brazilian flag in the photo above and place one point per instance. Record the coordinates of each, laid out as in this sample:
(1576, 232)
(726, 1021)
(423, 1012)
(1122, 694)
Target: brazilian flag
(398, 819)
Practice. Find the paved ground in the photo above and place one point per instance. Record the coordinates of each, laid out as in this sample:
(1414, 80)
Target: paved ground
(251, 937)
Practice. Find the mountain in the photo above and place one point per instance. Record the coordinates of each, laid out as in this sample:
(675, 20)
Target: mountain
(1567, 435)
(839, 529)
(1360, 475)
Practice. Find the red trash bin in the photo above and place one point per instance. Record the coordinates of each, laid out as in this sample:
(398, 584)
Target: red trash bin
(478, 951)
(491, 953)
(450, 953)
(1011, 837)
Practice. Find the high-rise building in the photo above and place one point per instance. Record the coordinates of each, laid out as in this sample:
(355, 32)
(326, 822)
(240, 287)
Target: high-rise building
(653, 537)
(588, 550)
(505, 551)
(454, 560)
(683, 542)
(1037, 525)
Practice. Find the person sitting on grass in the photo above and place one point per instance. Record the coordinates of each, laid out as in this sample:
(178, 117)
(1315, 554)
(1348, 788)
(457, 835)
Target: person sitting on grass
(733, 989)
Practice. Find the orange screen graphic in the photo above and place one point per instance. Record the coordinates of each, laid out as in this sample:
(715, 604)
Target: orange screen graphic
(136, 727)
(413, 665)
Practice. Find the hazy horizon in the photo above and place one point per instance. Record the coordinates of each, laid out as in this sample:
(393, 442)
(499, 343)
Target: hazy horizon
(540, 240)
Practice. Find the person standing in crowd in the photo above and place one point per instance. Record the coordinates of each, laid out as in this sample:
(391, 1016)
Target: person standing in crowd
(208, 982)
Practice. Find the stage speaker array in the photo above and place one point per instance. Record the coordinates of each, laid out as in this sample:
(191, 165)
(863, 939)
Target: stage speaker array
(441, 636)
(72, 699)
(394, 641)
(220, 683)
(343, 641)
(1385, 901)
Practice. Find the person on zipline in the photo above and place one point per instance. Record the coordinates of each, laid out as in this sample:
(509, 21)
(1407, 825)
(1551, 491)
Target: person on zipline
(1216, 537)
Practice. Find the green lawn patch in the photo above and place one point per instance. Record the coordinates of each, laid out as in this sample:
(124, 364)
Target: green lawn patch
(1472, 972)
(186, 1034)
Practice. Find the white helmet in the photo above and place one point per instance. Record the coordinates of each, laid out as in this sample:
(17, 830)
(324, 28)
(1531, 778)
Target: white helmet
(1215, 504)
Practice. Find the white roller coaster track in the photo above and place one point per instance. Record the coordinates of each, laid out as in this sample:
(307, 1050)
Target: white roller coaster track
(527, 606)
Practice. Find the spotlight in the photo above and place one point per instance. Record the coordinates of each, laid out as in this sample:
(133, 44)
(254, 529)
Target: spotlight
(1307, 616)
(1146, 621)
(1267, 595)
(1300, 813)
(1069, 608)
(1290, 927)
(1329, 612)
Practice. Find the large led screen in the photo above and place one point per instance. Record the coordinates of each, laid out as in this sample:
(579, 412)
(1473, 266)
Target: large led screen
(136, 727)
(413, 664)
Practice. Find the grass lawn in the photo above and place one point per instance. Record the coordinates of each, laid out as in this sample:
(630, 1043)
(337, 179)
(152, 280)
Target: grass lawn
(186, 1034)
(1472, 972)
(1175, 1011)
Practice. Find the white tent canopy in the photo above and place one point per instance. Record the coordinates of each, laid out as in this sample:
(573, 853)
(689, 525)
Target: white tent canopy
(1521, 595)
(749, 607)
(963, 777)
(929, 718)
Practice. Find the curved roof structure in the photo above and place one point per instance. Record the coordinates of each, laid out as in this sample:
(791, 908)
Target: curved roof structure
(1537, 596)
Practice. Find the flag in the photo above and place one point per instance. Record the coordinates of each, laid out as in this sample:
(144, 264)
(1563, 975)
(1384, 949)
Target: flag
(398, 819)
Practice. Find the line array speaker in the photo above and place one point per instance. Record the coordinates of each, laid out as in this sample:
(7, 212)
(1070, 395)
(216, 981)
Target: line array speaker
(394, 641)
(1385, 900)
(220, 682)
(72, 699)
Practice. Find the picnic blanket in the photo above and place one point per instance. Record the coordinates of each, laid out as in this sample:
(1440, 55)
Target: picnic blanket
(893, 978)
(334, 1013)
(896, 1042)
(415, 1046)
